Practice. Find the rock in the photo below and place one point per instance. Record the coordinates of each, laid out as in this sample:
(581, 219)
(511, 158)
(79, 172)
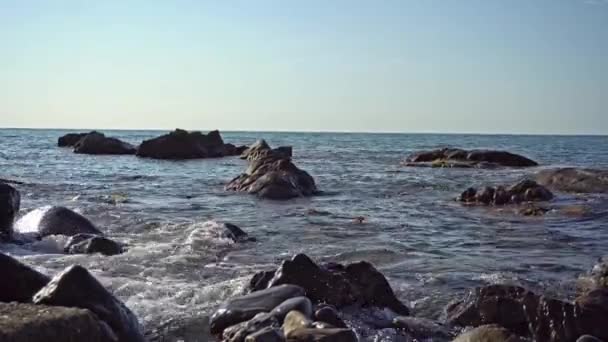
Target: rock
(335, 284)
(90, 244)
(588, 338)
(40, 323)
(76, 287)
(19, 282)
(592, 313)
(181, 144)
(244, 308)
(70, 139)
(328, 314)
(489, 333)
(295, 320)
(421, 328)
(266, 335)
(238, 333)
(300, 304)
(525, 190)
(10, 201)
(63, 221)
(577, 180)
(236, 234)
(251, 152)
(284, 151)
(272, 176)
(597, 278)
(450, 157)
(533, 210)
(98, 143)
(322, 335)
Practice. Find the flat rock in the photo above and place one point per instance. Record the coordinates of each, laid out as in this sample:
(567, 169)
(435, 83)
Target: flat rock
(578, 180)
(181, 144)
(98, 143)
(10, 201)
(454, 157)
(19, 282)
(523, 191)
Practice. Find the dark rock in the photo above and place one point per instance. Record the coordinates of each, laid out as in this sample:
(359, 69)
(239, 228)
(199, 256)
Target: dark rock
(90, 244)
(63, 221)
(592, 313)
(525, 190)
(251, 152)
(468, 195)
(19, 282)
(98, 143)
(70, 139)
(76, 287)
(236, 234)
(489, 333)
(266, 335)
(328, 314)
(244, 308)
(597, 278)
(588, 338)
(421, 328)
(501, 196)
(10, 201)
(238, 333)
(40, 323)
(300, 304)
(334, 284)
(485, 196)
(181, 144)
(322, 335)
(450, 157)
(283, 151)
(533, 211)
(295, 320)
(574, 180)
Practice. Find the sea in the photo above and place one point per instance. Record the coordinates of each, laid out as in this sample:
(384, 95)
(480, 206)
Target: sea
(432, 249)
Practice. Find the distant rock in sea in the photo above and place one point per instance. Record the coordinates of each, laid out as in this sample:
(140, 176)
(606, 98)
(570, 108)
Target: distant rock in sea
(570, 179)
(459, 158)
(181, 144)
(98, 143)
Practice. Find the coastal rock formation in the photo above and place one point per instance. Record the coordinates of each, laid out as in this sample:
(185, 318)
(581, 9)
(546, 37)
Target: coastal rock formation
(10, 201)
(98, 143)
(455, 157)
(76, 287)
(181, 144)
(523, 191)
(271, 174)
(90, 244)
(19, 282)
(41, 323)
(260, 148)
(70, 139)
(59, 221)
(574, 180)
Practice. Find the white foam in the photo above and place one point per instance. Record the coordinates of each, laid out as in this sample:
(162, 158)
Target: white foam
(30, 222)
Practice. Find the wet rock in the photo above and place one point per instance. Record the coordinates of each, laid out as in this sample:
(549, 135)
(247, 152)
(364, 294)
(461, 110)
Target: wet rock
(244, 308)
(10, 201)
(451, 157)
(90, 244)
(98, 143)
(19, 282)
(577, 180)
(485, 196)
(597, 278)
(533, 211)
(468, 195)
(238, 333)
(295, 320)
(63, 221)
(300, 304)
(251, 152)
(525, 190)
(236, 234)
(328, 314)
(489, 333)
(592, 313)
(266, 335)
(421, 328)
(40, 323)
(322, 335)
(588, 338)
(70, 139)
(76, 287)
(272, 176)
(181, 144)
(358, 283)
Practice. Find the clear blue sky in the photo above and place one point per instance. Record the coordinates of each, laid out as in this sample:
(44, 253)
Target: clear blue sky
(521, 66)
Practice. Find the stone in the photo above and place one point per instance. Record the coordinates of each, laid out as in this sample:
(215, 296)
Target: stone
(322, 335)
(98, 143)
(266, 335)
(41, 323)
(236, 234)
(489, 333)
(10, 201)
(181, 144)
(76, 287)
(525, 190)
(450, 157)
(244, 308)
(70, 139)
(64, 221)
(295, 320)
(239, 332)
(421, 328)
(597, 278)
(300, 304)
(328, 314)
(19, 282)
(577, 180)
(90, 244)
(251, 152)
(588, 338)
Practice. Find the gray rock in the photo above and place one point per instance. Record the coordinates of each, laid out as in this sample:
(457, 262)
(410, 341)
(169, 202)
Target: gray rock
(244, 308)
(19, 282)
(470, 158)
(577, 180)
(63, 221)
(238, 333)
(90, 244)
(10, 201)
(301, 304)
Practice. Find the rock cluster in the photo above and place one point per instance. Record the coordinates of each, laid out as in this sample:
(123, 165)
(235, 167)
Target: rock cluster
(181, 144)
(455, 157)
(523, 191)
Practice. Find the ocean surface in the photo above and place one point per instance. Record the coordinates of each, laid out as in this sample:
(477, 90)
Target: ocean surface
(431, 248)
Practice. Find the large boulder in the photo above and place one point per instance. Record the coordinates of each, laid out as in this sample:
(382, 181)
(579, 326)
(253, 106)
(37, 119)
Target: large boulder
(335, 284)
(574, 180)
(76, 287)
(41, 323)
(523, 191)
(10, 201)
(70, 139)
(271, 175)
(455, 157)
(19, 282)
(181, 144)
(59, 221)
(98, 143)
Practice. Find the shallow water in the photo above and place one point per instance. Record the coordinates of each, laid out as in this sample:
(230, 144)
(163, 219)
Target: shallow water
(430, 247)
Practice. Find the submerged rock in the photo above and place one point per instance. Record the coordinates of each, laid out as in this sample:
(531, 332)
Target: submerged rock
(62, 221)
(181, 144)
(98, 143)
(357, 283)
(522, 191)
(19, 282)
(71, 139)
(76, 287)
(41, 323)
(241, 309)
(454, 157)
(90, 244)
(574, 180)
(10, 201)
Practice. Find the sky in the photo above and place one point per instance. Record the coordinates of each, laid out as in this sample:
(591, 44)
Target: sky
(452, 66)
